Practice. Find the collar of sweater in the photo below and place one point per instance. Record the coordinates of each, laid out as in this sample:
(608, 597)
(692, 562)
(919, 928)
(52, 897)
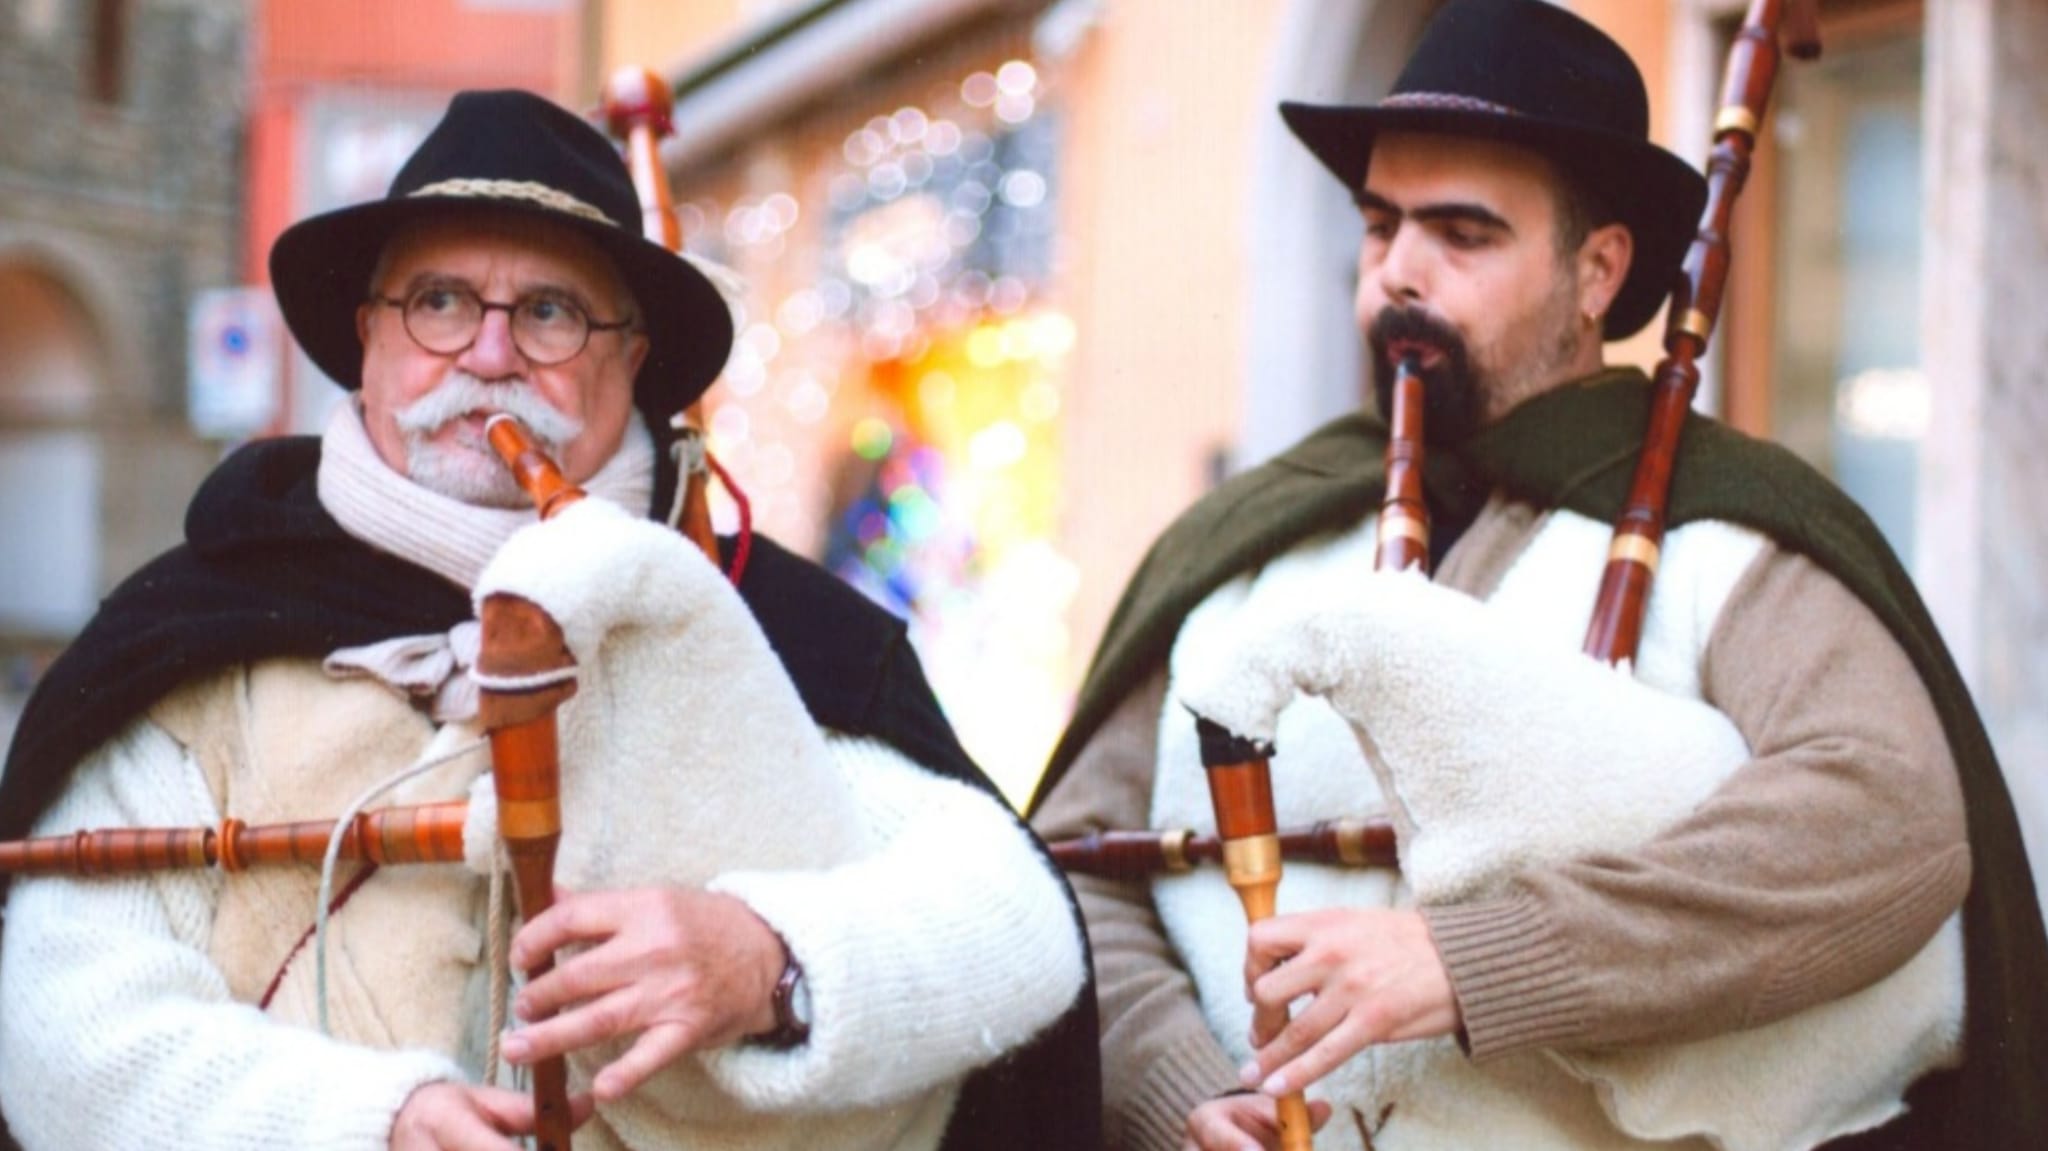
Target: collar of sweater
(448, 537)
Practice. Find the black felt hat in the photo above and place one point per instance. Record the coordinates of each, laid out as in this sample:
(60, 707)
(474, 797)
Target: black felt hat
(514, 152)
(1530, 73)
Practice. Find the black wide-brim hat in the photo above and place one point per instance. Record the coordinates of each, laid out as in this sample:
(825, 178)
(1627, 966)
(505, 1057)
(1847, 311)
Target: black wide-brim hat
(510, 152)
(1530, 73)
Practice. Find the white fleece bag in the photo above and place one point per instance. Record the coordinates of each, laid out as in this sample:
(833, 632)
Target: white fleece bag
(1499, 750)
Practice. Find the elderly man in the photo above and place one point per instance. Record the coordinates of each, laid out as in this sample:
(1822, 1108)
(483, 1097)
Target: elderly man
(294, 650)
(1515, 216)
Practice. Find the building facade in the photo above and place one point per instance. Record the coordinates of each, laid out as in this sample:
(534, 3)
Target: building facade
(119, 207)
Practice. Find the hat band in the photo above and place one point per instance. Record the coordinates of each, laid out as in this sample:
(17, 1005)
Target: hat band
(524, 190)
(1447, 101)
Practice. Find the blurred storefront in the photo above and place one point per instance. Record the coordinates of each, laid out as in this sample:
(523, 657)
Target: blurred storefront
(118, 210)
(894, 406)
(1185, 272)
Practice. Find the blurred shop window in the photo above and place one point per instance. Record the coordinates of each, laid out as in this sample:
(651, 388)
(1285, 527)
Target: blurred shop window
(893, 404)
(1835, 372)
(50, 373)
(1851, 391)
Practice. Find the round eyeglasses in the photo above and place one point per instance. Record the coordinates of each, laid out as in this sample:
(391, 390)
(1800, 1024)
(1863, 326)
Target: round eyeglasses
(547, 327)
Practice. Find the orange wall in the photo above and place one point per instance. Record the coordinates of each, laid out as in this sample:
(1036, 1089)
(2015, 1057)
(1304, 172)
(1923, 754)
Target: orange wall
(1643, 28)
(398, 45)
(442, 44)
(662, 34)
(1156, 208)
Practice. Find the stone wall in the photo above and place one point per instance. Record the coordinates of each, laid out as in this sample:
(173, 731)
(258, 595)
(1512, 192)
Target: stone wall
(130, 205)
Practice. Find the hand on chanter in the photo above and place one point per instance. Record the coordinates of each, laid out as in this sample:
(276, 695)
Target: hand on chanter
(459, 1117)
(673, 969)
(1243, 1123)
(1375, 977)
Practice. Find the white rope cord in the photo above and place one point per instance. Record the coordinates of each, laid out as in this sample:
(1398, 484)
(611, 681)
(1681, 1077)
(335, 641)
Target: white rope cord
(498, 930)
(692, 459)
(530, 191)
(516, 683)
(333, 856)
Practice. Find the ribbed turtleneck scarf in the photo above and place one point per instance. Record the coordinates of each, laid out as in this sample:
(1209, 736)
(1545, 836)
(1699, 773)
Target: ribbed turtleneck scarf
(446, 536)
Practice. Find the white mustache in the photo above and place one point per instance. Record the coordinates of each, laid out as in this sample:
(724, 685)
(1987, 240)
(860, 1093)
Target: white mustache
(460, 394)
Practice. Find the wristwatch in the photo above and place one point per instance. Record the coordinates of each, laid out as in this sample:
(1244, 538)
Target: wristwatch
(791, 1002)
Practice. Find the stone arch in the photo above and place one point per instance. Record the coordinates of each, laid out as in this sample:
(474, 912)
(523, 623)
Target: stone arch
(57, 384)
(1304, 363)
(74, 277)
(52, 354)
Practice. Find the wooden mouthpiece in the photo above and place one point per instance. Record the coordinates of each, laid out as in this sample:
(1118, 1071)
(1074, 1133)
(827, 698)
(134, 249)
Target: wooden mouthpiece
(537, 474)
(1404, 513)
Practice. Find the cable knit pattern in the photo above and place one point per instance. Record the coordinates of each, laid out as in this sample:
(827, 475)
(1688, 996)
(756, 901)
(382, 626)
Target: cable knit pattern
(117, 1031)
(943, 991)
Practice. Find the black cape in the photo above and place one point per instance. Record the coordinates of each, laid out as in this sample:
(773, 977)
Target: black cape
(1576, 447)
(264, 571)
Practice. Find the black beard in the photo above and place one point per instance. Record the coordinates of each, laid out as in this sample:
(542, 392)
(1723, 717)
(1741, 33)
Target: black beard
(1450, 390)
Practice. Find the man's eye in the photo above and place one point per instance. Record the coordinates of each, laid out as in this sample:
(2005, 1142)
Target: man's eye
(546, 311)
(437, 301)
(1379, 227)
(1465, 238)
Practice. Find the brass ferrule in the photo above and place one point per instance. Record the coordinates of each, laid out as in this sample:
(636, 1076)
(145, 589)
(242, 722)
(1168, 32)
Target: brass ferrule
(1398, 522)
(1173, 849)
(1736, 118)
(1634, 549)
(1351, 842)
(528, 818)
(1254, 859)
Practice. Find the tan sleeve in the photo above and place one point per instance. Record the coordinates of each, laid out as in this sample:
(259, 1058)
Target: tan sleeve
(1158, 1059)
(1820, 866)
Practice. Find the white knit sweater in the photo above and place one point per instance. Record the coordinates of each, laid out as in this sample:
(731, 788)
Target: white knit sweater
(948, 946)
(941, 941)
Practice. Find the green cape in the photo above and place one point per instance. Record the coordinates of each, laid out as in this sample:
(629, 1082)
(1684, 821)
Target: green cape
(1576, 448)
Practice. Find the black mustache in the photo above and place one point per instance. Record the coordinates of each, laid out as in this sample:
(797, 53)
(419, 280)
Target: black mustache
(1409, 326)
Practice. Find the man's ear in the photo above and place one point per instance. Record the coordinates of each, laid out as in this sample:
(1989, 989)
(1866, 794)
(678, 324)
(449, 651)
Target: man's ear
(1604, 260)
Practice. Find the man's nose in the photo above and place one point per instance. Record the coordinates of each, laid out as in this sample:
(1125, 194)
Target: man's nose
(493, 355)
(1404, 267)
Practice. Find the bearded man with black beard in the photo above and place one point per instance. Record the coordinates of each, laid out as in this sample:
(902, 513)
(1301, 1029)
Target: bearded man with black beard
(1516, 219)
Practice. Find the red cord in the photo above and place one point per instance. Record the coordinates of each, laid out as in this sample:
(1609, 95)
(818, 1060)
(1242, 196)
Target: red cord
(745, 541)
(354, 884)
